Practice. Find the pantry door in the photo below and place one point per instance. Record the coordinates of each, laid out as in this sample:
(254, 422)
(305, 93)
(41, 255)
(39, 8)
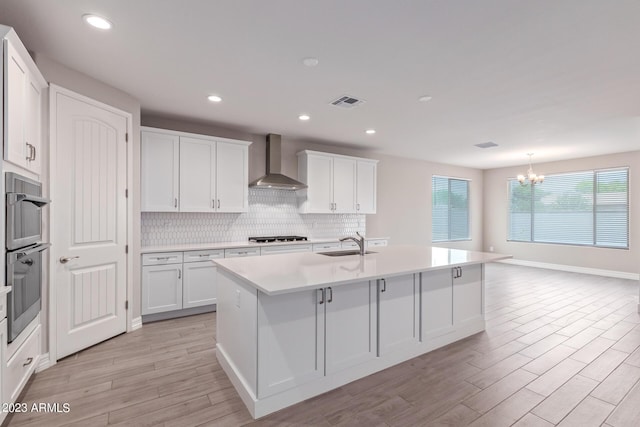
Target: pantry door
(89, 221)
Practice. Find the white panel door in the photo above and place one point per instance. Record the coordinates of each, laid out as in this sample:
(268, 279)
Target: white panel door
(89, 181)
(350, 326)
(467, 294)
(199, 284)
(33, 126)
(15, 84)
(197, 177)
(161, 288)
(320, 182)
(397, 314)
(437, 300)
(232, 177)
(366, 187)
(290, 340)
(160, 161)
(344, 185)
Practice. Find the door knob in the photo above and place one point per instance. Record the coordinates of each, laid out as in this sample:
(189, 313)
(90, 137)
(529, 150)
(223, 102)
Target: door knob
(66, 259)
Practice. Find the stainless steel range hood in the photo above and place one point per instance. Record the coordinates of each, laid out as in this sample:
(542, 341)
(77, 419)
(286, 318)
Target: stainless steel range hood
(274, 179)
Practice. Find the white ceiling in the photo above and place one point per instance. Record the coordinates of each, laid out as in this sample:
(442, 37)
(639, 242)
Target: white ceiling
(557, 78)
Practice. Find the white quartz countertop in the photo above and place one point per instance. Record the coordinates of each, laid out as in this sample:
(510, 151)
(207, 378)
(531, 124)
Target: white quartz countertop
(285, 273)
(231, 245)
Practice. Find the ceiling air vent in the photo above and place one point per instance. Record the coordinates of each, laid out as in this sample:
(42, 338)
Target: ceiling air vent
(347, 101)
(486, 145)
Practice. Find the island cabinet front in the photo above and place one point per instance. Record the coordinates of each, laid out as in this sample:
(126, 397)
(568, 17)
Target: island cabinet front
(303, 336)
(398, 314)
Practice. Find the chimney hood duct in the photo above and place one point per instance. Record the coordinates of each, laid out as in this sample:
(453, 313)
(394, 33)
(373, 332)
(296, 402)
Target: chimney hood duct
(274, 179)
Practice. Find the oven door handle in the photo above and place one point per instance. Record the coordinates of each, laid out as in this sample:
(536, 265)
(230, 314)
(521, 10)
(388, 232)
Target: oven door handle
(13, 198)
(39, 248)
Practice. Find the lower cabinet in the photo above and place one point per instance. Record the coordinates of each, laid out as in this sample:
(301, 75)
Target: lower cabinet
(20, 366)
(161, 288)
(467, 294)
(398, 313)
(199, 284)
(307, 335)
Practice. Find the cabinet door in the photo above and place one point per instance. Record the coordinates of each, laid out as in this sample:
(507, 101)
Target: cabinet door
(232, 177)
(437, 310)
(199, 284)
(15, 108)
(467, 295)
(33, 128)
(159, 172)
(197, 177)
(290, 340)
(320, 182)
(350, 325)
(366, 187)
(398, 314)
(344, 185)
(161, 288)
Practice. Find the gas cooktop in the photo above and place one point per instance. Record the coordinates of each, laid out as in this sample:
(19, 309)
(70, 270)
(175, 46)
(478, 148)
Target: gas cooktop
(269, 239)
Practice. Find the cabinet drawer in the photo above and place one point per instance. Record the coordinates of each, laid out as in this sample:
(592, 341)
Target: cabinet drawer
(323, 247)
(20, 367)
(162, 258)
(283, 249)
(195, 256)
(374, 243)
(231, 253)
(349, 245)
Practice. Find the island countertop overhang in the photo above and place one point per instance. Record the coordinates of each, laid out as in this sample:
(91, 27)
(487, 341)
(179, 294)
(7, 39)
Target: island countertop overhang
(294, 272)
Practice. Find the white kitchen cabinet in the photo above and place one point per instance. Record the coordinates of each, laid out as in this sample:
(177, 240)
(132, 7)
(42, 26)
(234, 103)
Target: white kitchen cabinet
(239, 252)
(22, 104)
(467, 294)
(21, 365)
(284, 249)
(197, 175)
(306, 335)
(373, 243)
(184, 172)
(327, 247)
(366, 186)
(161, 288)
(437, 306)
(336, 183)
(160, 166)
(199, 284)
(398, 314)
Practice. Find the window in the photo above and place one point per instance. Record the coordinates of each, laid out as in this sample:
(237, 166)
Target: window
(449, 209)
(579, 208)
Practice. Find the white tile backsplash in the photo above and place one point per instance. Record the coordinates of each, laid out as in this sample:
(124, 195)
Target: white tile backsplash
(271, 213)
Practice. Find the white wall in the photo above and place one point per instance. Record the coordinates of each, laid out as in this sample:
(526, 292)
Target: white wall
(496, 205)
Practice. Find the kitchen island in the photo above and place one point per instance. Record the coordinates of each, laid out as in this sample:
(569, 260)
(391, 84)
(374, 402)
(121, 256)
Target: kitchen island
(293, 326)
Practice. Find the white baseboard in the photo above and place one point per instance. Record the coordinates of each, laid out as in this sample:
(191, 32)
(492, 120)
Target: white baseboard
(574, 269)
(136, 323)
(44, 362)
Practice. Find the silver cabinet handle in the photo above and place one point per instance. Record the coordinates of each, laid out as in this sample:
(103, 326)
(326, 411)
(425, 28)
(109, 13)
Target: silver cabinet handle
(179, 273)
(321, 296)
(34, 152)
(213, 203)
(459, 271)
(384, 286)
(66, 259)
(330, 299)
(357, 206)
(218, 203)
(28, 361)
(175, 202)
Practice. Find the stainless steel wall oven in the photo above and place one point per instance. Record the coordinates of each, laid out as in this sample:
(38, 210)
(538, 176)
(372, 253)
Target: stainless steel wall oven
(24, 245)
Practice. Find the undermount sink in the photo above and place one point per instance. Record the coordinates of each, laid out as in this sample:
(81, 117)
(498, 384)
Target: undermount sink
(344, 253)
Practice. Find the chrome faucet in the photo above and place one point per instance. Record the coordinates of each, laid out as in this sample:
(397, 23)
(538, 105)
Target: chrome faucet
(359, 241)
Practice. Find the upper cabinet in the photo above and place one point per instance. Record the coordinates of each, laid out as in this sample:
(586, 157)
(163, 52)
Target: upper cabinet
(184, 172)
(337, 184)
(24, 87)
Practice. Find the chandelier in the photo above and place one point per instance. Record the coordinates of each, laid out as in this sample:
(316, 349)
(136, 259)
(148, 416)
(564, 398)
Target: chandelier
(530, 177)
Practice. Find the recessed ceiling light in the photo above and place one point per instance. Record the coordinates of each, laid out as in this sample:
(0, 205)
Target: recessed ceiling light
(214, 98)
(370, 131)
(425, 98)
(97, 21)
(310, 62)
(304, 117)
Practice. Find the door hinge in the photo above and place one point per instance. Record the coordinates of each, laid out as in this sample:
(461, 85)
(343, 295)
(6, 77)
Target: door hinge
(126, 137)
(126, 305)
(126, 249)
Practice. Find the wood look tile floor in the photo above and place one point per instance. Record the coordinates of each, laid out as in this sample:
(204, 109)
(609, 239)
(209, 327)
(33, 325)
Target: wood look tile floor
(559, 349)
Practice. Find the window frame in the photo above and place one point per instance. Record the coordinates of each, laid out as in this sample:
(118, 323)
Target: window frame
(593, 212)
(449, 179)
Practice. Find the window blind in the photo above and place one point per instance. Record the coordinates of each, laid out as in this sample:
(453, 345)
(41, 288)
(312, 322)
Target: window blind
(580, 208)
(449, 209)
